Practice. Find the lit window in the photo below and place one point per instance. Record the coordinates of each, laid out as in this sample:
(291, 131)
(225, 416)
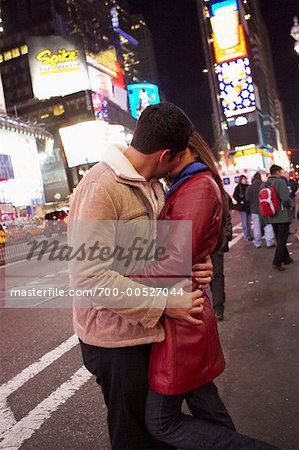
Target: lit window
(58, 110)
(7, 55)
(15, 52)
(24, 49)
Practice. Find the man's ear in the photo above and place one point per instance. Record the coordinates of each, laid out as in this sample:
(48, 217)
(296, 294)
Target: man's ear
(165, 156)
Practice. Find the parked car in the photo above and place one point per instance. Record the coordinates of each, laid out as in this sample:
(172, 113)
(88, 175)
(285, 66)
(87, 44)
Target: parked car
(55, 223)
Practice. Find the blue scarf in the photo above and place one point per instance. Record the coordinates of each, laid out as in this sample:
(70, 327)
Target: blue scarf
(186, 173)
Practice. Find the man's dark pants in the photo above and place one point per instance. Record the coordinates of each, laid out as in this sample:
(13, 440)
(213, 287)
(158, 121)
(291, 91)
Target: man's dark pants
(122, 374)
(281, 231)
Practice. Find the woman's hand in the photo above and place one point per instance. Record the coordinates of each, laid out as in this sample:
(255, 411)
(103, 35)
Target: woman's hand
(203, 272)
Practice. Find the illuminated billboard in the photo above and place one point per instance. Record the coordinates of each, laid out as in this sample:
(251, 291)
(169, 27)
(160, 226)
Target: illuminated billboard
(142, 95)
(57, 66)
(236, 87)
(85, 142)
(225, 23)
(100, 106)
(223, 7)
(23, 179)
(229, 53)
(228, 34)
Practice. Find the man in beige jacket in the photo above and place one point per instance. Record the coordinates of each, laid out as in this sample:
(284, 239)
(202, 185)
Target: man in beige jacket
(116, 331)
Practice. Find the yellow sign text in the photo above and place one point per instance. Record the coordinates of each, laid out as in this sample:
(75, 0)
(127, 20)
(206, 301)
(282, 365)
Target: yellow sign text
(52, 59)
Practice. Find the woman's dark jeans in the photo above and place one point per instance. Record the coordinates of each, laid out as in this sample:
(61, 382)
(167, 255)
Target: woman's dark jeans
(209, 427)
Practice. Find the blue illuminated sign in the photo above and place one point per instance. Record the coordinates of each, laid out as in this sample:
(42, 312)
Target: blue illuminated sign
(236, 87)
(224, 7)
(142, 95)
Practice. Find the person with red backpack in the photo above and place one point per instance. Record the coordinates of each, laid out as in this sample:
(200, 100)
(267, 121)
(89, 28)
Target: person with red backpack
(275, 205)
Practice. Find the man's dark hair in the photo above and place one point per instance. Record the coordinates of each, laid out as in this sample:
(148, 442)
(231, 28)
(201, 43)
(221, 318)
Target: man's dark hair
(162, 126)
(274, 168)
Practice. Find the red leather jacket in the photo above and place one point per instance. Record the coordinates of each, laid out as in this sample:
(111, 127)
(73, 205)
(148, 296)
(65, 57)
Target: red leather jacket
(193, 354)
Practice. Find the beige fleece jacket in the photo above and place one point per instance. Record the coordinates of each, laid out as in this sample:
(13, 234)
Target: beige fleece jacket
(113, 193)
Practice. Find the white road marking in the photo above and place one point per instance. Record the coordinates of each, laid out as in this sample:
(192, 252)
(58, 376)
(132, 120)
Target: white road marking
(7, 418)
(237, 237)
(16, 382)
(26, 427)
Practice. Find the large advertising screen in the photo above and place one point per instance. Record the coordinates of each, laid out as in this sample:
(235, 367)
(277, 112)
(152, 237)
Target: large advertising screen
(236, 87)
(227, 54)
(26, 187)
(85, 142)
(57, 66)
(228, 35)
(142, 95)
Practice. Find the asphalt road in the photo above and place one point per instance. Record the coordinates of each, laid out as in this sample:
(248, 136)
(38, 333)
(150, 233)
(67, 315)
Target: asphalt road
(48, 401)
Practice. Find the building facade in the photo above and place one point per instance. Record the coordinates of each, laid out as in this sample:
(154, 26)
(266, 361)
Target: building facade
(247, 114)
(57, 33)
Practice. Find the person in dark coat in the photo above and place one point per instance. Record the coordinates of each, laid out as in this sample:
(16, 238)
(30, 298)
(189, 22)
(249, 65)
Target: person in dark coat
(218, 282)
(282, 218)
(243, 208)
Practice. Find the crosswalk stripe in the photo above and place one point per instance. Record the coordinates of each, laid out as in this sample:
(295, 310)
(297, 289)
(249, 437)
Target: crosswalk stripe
(26, 427)
(16, 382)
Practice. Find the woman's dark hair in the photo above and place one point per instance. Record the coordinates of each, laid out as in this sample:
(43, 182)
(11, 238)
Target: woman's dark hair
(242, 177)
(200, 149)
(160, 127)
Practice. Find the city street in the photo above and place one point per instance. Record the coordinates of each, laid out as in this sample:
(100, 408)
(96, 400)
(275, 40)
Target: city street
(48, 401)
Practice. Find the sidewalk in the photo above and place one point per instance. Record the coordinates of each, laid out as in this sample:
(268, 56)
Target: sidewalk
(260, 340)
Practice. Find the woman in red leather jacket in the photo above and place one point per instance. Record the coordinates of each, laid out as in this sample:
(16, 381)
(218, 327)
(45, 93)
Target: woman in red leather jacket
(184, 365)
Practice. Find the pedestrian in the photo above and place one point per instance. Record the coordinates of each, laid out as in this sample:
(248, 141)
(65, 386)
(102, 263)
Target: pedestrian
(281, 219)
(184, 366)
(243, 208)
(293, 186)
(116, 334)
(252, 198)
(218, 282)
(259, 223)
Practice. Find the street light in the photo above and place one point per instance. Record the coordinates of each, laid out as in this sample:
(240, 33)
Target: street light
(295, 34)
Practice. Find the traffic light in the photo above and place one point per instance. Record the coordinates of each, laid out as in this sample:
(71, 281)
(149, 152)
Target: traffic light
(289, 152)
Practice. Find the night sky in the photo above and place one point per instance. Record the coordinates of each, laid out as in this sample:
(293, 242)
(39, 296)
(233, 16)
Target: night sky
(177, 39)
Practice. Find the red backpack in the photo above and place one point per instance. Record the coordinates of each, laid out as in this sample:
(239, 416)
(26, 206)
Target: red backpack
(269, 202)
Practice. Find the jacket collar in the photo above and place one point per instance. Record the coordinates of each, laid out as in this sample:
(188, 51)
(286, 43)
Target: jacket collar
(186, 173)
(114, 157)
(126, 173)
